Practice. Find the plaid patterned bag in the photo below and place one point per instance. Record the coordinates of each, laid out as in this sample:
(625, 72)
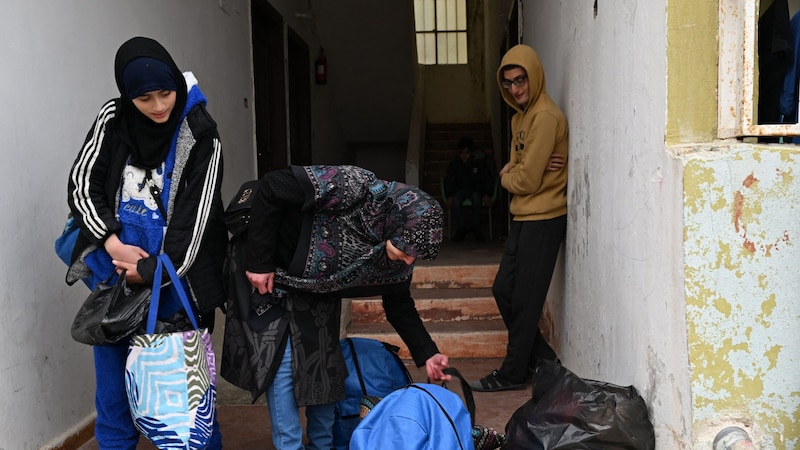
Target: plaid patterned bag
(171, 378)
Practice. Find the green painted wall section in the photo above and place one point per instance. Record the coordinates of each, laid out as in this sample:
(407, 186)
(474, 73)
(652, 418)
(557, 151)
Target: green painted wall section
(691, 70)
(742, 217)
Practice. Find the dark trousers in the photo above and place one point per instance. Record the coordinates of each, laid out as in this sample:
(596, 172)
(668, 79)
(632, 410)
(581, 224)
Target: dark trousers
(458, 209)
(520, 289)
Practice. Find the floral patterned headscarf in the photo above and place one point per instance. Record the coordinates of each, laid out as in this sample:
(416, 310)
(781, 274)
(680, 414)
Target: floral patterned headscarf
(354, 214)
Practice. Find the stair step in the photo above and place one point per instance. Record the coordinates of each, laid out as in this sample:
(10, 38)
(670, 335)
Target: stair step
(453, 296)
(458, 339)
(434, 305)
(451, 276)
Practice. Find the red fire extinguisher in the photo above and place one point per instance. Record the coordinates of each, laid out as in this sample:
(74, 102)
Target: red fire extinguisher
(321, 66)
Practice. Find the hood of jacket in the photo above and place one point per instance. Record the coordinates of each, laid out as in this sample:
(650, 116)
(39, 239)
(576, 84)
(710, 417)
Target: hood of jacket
(525, 57)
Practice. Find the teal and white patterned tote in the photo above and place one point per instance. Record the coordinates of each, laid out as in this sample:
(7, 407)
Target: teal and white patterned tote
(171, 377)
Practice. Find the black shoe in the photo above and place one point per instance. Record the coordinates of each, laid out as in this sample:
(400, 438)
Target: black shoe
(494, 382)
(478, 235)
(461, 233)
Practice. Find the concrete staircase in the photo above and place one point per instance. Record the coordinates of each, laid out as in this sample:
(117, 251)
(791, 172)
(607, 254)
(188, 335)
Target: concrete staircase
(456, 304)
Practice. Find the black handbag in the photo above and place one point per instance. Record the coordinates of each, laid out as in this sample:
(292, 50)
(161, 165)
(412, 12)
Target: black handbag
(237, 214)
(111, 312)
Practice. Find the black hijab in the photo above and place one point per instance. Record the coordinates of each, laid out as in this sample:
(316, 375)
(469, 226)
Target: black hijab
(150, 142)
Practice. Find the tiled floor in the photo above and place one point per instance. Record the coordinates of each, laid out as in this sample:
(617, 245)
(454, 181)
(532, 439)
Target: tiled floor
(245, 426)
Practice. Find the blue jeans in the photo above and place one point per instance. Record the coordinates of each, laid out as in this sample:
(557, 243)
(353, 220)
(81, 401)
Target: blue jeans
(287, 432)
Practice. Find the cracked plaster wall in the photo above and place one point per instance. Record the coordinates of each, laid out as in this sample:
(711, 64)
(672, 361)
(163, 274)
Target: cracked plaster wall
(742, 216)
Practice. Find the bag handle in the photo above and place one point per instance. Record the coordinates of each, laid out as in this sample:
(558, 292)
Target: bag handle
(358, 366)
(163, 262)
(466, 390)
(393, 349)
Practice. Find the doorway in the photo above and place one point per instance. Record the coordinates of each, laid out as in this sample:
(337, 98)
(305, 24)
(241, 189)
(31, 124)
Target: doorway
(299, 100)
(268, 84)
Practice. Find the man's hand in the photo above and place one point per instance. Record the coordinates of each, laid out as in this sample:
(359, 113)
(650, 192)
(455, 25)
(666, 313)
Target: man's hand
(434, 366)
(557, 162)
(449, 202)
(261, 281)
(505, 169)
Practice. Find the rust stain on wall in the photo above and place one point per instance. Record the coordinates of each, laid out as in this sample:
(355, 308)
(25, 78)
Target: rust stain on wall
(738, 208)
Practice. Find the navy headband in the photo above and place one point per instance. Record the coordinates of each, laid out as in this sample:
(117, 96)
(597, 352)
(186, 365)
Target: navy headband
(145, 74)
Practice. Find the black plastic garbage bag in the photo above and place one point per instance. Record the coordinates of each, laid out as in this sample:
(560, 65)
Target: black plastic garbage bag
(111, 313)
(567, 412)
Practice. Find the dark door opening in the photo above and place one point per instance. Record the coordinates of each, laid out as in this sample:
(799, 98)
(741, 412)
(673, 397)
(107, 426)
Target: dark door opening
(299, 100)
(269, 86)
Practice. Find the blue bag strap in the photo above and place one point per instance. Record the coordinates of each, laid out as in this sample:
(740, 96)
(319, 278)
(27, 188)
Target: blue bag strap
(155, 296)
(163, 262)
(177, 287)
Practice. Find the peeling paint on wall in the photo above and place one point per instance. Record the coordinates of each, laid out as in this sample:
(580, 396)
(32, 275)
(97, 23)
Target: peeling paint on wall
(742, 215)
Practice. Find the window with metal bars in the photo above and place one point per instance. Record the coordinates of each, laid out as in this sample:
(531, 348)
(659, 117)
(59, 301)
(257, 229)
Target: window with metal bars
(441, 31)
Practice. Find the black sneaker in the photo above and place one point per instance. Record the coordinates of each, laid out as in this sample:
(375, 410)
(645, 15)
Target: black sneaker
(494, 382)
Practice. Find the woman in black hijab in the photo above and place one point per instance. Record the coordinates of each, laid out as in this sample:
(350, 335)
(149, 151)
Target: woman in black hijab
(147, 181)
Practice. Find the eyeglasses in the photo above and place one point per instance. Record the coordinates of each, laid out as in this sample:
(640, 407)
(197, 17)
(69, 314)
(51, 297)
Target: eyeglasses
(518, 82)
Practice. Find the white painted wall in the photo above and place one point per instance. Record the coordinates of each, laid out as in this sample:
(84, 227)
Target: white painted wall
(622, 318)
(57, 70)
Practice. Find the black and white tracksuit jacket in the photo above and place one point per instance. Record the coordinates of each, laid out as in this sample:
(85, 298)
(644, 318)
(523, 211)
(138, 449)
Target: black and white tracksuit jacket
(195, 238)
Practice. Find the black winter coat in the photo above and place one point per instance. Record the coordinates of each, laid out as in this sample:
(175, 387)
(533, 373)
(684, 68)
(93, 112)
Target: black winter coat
(195, 238)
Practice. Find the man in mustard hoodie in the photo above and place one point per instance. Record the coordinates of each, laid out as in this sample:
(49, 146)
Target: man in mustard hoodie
(539, 209)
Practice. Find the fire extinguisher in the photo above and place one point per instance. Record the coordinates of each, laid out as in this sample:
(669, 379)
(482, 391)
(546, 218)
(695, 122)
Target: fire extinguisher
(321, 66)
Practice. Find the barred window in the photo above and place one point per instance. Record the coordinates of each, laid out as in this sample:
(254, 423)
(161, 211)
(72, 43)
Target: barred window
(441, 31)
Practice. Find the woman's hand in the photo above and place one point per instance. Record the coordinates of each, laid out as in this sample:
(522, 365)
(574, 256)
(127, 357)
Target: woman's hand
(434, 366)
(125, 257)
(131, 272)
(261, 281)
(123, 252)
